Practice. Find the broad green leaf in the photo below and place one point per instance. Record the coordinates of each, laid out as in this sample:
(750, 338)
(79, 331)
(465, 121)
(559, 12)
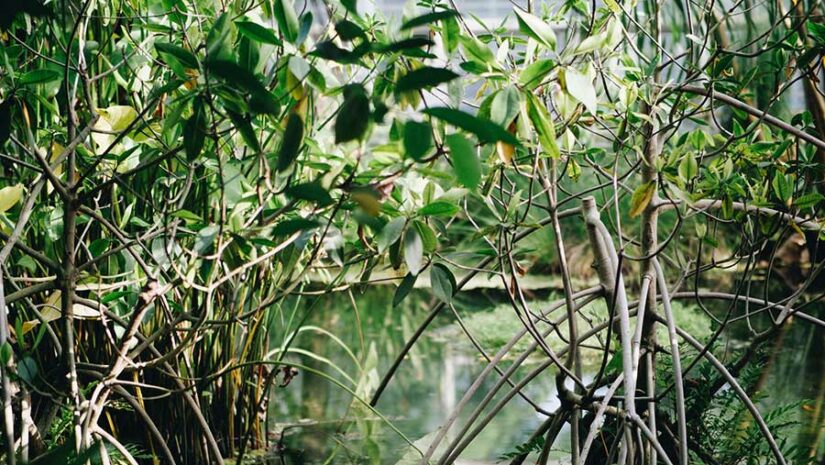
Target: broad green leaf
(543, 124)
(40, 76)
(783, 186)
(287, 19)
(641, 198)
(688, 167)
(466, 164)
(390, 233)
(194, 131)
(403, 289)
(348, 31)
(258, 33)
(424, 78)
(580, 87)
(428, 18)
(310, 191)
(244, 127)
(484, 129)
(418, 139)
(443, 282)
(6, 352)
(536, 28)
(413, 251)
(477, 51)
(505, 106)
(809, 200)
(291, 226)
(403, 45)
(183, 56)
(353, 116)
(533, 75)
(217, 41)
(291, 142)
(427, 236)
(439, 208)
(205, 239)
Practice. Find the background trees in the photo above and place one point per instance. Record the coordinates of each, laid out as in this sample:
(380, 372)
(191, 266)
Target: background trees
(179, 178)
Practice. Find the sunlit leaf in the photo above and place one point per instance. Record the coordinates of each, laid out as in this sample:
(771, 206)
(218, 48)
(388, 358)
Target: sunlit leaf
(536, 28)
(258, 33)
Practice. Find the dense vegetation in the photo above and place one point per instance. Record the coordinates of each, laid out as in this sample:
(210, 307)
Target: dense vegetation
(183, 180)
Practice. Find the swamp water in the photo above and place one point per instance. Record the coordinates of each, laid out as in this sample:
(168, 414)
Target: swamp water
(355, 345)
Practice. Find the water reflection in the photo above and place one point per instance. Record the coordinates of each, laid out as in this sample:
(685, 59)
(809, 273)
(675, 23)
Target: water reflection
(335, 429)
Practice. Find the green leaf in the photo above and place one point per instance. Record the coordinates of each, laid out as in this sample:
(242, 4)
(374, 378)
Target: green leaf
(641, 198)
(310, 191)
(287, 19)
(291, 142)
(688, 167)
(6, 353)
(816, 31)
(205, 239)
(183, 56)
(404, 44)
(809, 200)
(466, 164)
(258, 33)
(404, 289)
(477, 51)
(536, 28)
(484, 129)
(543, 124)
(291, 226)
(40, 76)
(442, 282)
(439, 208)
(390, 233)
(424, 78)
(348, 31)
(217, 47)
(244, 126)
(194, 131)
(505, 106)
(783, 186)
(427, 236)
(418, 139)
(428, 18)
(413, 251)
(533, 75)
(353, 116)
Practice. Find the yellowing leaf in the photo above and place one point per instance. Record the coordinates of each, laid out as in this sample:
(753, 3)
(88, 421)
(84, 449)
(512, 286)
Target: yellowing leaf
(505, 151)
(112, 120)
(9, 196)
(368, 202)
(641, 198)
